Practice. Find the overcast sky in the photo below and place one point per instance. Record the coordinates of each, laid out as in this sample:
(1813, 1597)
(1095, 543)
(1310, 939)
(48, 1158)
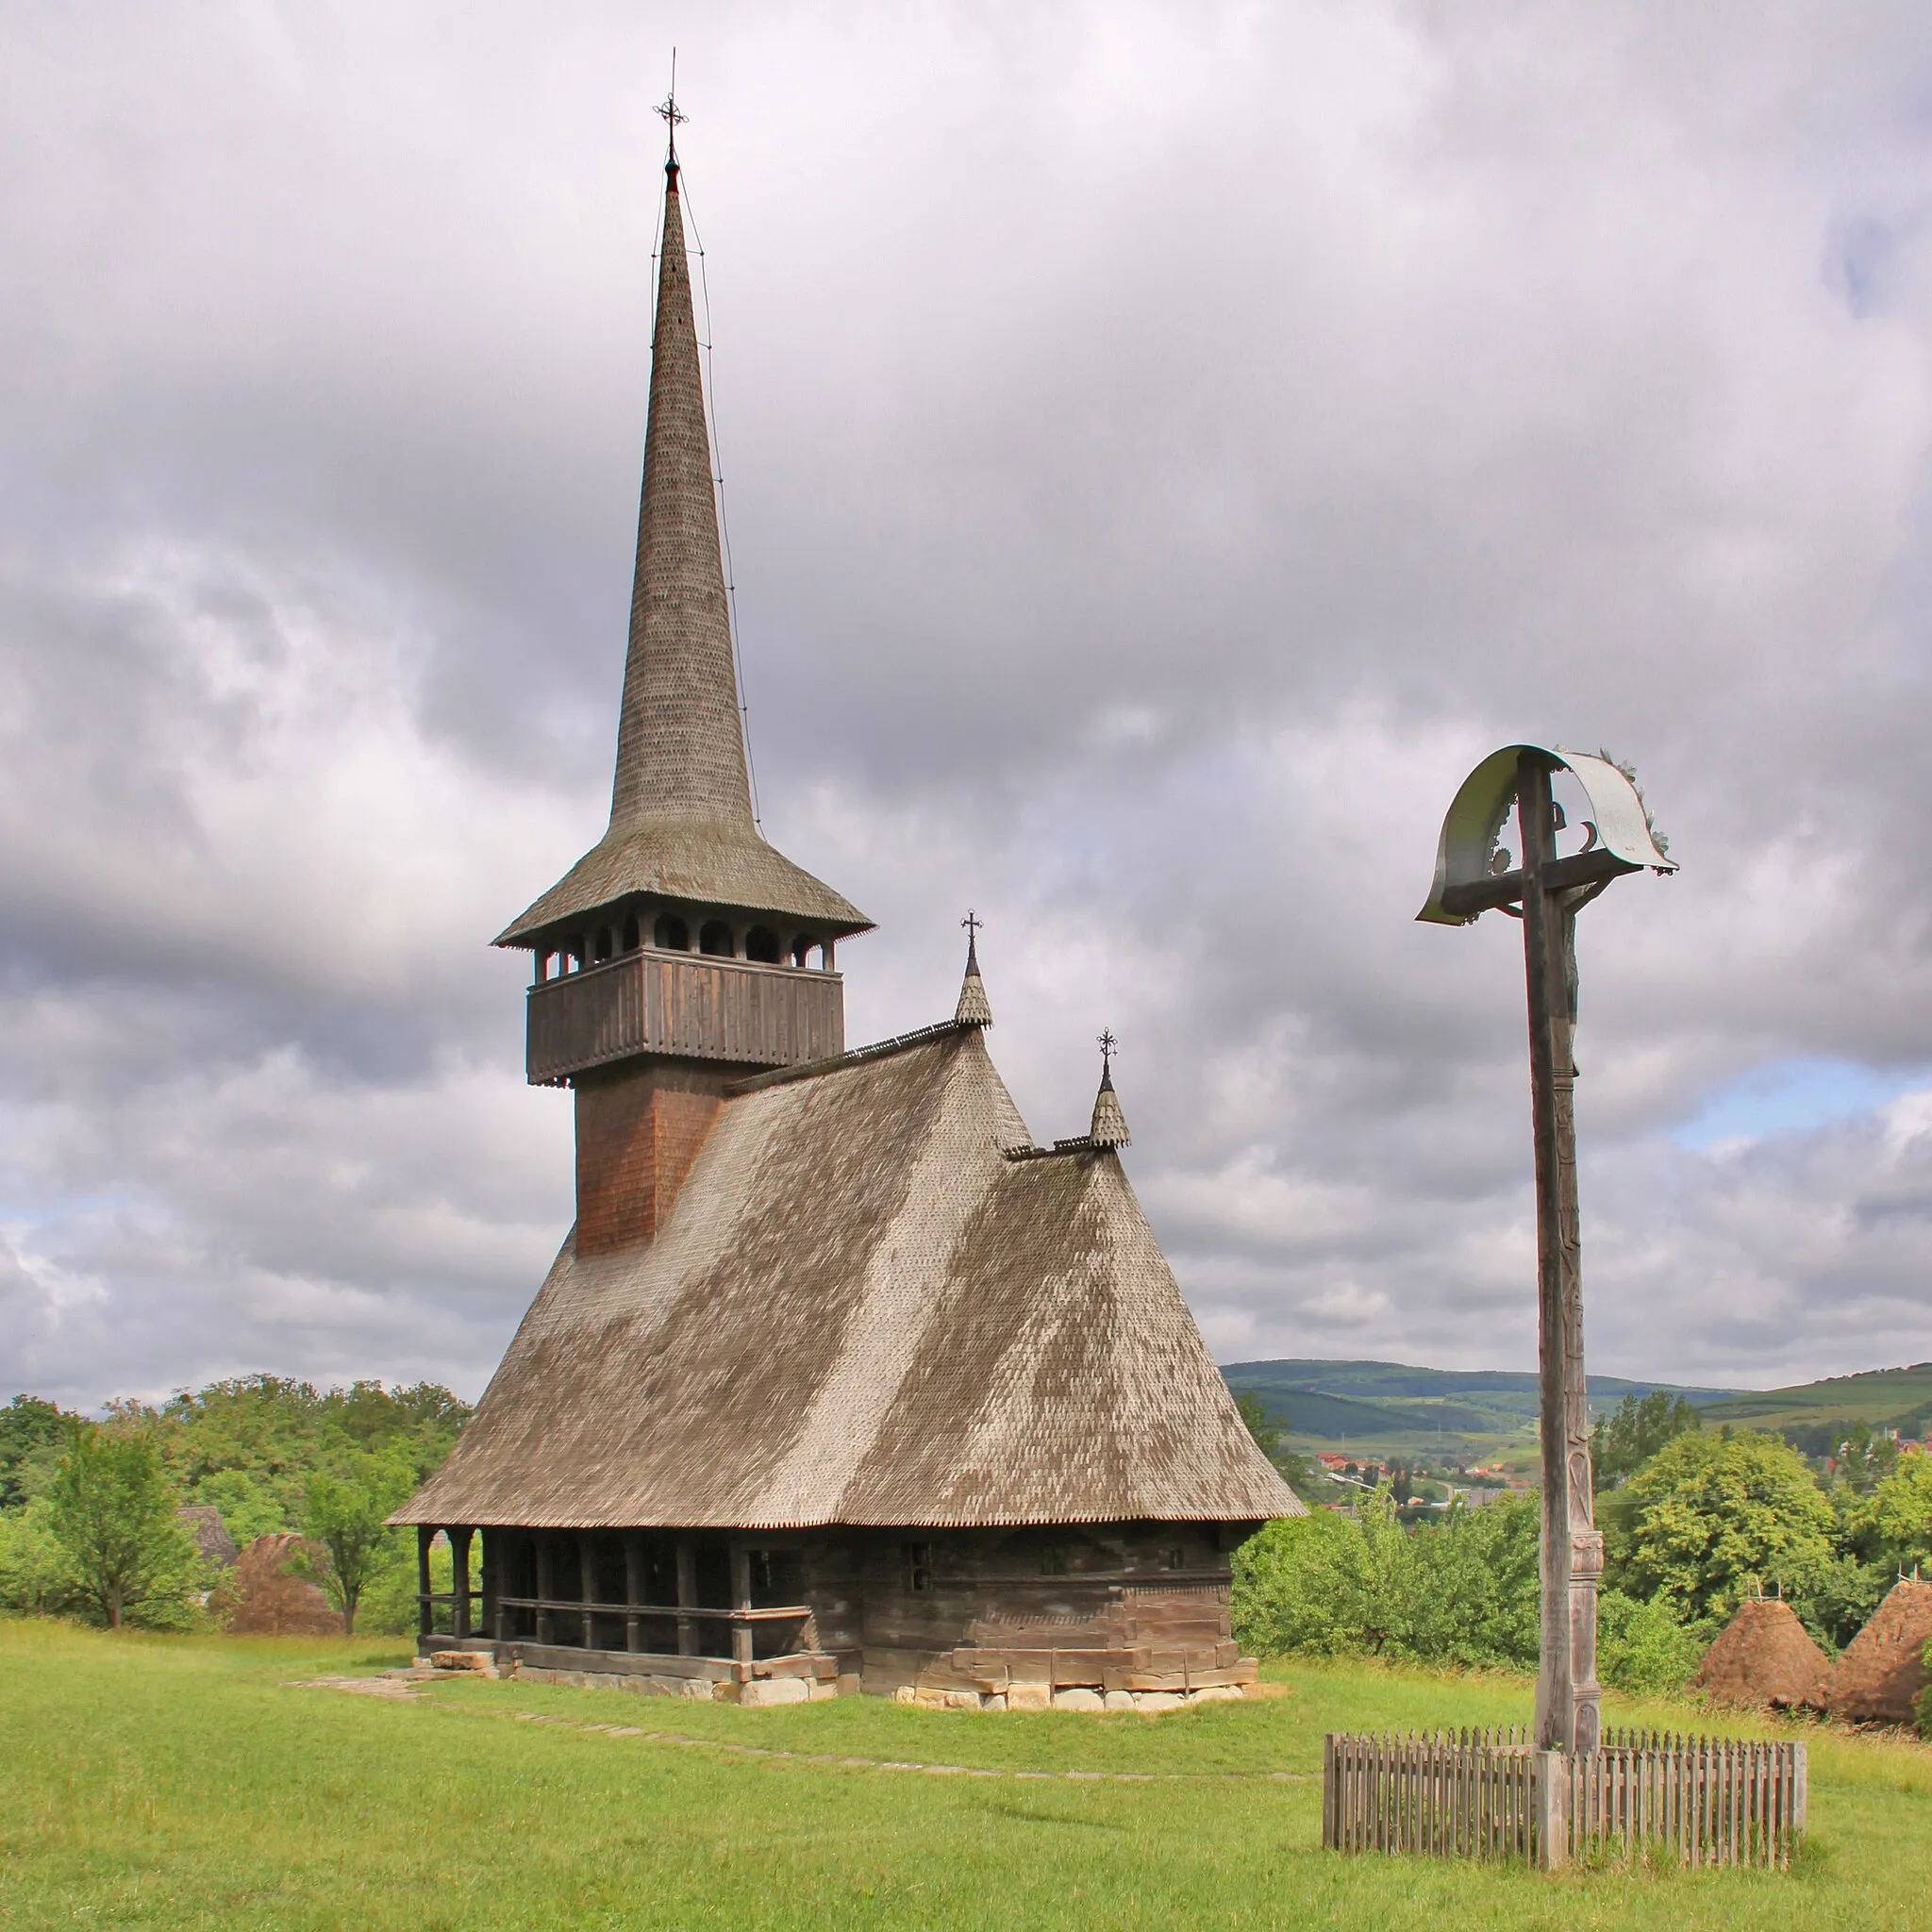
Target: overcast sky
(1165, 448)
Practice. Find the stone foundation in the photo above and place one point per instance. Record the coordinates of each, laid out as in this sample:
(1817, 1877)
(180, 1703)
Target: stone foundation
(1043, 1697)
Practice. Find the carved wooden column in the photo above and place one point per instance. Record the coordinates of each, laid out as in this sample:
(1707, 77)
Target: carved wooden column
(1568, 1697)
(587, 1578)
(460, 1581)
(687, 1598)
(740, 1599)
(635, 1583)
(546, 1587)
(426, 1611)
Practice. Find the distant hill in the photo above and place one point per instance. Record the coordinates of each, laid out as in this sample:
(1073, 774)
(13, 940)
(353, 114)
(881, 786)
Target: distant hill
(1814, 1415)
(1391, 1409)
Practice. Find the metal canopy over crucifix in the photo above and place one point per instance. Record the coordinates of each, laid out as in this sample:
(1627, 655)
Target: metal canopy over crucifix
(1546, 891)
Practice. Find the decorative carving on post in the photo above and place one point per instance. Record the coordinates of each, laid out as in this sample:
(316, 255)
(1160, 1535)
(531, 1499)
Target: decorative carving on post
(1546, 891)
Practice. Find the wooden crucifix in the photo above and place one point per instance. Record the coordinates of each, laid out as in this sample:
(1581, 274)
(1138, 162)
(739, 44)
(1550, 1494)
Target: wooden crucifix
(1546, 891)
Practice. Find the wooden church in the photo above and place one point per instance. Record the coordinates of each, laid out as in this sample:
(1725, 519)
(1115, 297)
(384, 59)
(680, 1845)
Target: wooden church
(838, 1382)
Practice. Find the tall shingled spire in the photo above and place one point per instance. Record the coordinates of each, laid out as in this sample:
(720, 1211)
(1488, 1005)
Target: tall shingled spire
(681, 827)
(680, 742)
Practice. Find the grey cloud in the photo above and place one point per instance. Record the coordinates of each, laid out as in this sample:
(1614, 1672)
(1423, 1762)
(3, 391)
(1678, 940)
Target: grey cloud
(1163, 452)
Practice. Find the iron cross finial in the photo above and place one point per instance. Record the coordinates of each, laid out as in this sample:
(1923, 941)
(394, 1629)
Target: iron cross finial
(1108, 1046)
(973, 922)
(667, 110)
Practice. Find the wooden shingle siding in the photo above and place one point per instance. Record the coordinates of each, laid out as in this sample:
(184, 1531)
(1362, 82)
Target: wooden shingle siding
(688, 1003)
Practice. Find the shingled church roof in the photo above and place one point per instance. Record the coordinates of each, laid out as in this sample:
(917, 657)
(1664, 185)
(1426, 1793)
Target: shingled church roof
(866, 1310)
(681, 824)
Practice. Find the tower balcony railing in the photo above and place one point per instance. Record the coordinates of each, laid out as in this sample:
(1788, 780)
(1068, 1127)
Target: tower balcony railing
(697, 1005)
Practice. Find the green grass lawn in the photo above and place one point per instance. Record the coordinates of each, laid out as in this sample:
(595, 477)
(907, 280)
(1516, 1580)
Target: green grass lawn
(173, 1782)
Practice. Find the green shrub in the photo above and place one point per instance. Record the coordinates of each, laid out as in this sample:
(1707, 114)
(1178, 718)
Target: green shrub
(1642, 1647)
(35, 1574)
(1463, 1590)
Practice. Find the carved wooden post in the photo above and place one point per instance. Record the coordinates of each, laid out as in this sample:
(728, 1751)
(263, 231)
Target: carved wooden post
(460, 1581)
(740, 1598)
(546, 1588)
(636, 1582)
(1567, 1694)
(687, 1598)
(587, 1575)
(426, 1611)
(1473, 878)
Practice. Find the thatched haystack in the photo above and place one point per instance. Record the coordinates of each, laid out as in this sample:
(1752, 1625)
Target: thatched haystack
(1883, 1669)
(1764, 1658)
(261, 1598)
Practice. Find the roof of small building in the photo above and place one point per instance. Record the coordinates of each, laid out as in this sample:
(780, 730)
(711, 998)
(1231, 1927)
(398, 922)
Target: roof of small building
(865, 1311)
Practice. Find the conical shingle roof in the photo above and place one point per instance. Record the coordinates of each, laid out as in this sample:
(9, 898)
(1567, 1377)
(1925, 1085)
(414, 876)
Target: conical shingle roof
(866, 1309)
(974, 1010)
(681, 821)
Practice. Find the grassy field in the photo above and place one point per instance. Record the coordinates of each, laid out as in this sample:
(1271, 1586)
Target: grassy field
(178, 1782)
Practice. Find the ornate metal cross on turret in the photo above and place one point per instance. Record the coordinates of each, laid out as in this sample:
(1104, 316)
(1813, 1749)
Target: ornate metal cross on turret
(1546, 892)
(667, 111)
(1108, 1046)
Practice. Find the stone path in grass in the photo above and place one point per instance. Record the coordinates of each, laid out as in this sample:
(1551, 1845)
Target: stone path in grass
(399, 1690)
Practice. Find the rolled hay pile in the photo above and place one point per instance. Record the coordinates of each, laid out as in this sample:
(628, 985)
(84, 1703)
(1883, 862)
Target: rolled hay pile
(1883, 1669)
(1763, 1659)
(260, 1597)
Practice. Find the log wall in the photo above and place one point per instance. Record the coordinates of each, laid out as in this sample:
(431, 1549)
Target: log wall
(1136, 1607)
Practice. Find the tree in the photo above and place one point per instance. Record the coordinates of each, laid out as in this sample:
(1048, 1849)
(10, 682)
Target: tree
(1627, 1438)
(113, 1515)
(348, 1517)
(1261, 1425)
(1891, 1527)
(32, 1433)
(1710, 1515)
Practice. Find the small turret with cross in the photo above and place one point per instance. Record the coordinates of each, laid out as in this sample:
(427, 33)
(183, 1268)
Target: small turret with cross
(1109, 1128)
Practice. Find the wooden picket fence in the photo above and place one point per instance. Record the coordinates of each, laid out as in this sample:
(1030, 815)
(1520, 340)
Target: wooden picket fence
(1492, 1795)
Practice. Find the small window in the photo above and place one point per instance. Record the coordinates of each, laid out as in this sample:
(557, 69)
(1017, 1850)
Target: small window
(1177, 1559)
(1053, 1560)
(715, 937)
(800, 948)
(762, 943)
(672, 933)
(605, 946)
(630, 934)
(919, 1567)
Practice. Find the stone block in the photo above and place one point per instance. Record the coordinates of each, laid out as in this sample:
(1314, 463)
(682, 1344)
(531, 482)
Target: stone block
(962, 1700)
(1217, 1693)
(1151, 1703)
(1077, 1699)
(475, 1661)
(906, 1693)
(1119, 1700)
(849, 1684)
(1030, 1696)
(995, 1700)
(763, 1693)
